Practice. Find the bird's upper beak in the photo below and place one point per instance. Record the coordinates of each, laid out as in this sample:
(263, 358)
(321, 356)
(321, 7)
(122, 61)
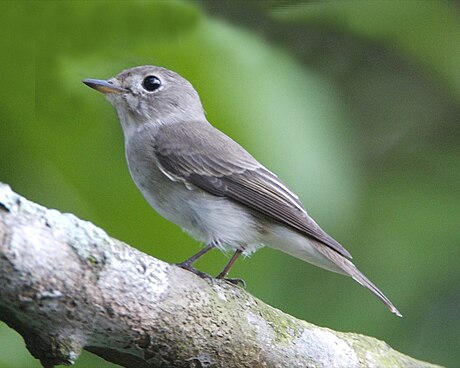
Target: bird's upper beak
(103, 86)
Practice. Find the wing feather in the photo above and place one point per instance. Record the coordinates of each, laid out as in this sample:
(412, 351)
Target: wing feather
(218, 165)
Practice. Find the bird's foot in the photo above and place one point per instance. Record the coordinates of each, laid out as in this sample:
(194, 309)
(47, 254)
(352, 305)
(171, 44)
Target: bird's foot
(236, 282)
(187, 266)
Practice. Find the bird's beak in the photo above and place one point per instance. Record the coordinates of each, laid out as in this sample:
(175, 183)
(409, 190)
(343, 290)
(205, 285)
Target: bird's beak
(103, 86)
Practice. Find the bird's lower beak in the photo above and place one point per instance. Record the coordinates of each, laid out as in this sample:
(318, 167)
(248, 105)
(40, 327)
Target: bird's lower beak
(103, 86)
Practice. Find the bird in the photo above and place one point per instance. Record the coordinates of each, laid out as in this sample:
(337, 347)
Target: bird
(197, 177)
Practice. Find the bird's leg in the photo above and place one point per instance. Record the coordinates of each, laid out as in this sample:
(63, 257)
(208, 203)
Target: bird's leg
(227, 269)
(188, 263)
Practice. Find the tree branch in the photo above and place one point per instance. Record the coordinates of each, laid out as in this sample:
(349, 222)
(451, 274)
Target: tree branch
(65, 285)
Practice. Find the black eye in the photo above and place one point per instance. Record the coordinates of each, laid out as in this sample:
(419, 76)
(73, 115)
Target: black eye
(151, 83)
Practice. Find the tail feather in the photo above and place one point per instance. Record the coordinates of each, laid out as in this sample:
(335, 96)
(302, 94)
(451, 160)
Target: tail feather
(350, 269)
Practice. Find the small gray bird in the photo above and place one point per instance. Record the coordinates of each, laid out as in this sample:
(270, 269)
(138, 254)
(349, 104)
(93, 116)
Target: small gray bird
(200, 179)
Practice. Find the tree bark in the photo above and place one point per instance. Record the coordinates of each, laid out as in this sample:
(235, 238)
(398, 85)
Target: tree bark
(65, 285)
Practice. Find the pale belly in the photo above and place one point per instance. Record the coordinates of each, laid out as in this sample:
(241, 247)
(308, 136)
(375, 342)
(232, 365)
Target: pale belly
(208, 218)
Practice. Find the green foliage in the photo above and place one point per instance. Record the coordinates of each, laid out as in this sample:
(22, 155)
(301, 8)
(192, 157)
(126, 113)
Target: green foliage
(354, 104)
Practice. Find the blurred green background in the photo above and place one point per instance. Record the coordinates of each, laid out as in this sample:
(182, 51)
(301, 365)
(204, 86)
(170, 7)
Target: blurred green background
(356, 105)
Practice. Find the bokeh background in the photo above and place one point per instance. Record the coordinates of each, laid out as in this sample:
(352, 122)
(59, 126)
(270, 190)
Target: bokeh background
(356, 105)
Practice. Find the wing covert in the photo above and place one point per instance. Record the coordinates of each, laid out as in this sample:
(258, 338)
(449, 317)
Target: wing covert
(218, 165)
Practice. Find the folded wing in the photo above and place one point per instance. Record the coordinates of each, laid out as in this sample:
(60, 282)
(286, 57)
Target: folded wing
(215, 163)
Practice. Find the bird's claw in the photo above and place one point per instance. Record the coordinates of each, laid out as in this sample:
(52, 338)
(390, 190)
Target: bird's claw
(188, 267)
(236, 282)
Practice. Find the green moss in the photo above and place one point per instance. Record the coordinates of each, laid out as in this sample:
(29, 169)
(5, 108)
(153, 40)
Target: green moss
(285, 327)
(382, 353)
(92, 260)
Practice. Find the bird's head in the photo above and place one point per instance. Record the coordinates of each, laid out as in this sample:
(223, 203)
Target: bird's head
(150, 95)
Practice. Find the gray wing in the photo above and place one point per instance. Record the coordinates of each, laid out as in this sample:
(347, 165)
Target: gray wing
(205, 157)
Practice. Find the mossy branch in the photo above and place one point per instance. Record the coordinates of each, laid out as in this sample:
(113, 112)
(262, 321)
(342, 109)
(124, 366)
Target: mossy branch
(65, 285)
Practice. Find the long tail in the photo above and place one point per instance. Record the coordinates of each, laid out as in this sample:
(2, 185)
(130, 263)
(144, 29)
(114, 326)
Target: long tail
(350, 269)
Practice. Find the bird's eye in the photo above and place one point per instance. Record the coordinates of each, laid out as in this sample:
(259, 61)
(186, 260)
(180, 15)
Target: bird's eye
(151, 83)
